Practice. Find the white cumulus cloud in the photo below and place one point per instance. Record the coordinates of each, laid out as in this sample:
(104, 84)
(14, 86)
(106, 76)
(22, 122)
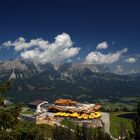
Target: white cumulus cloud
(41, 51)
(18, 44)
(131, 60)
(102, 45)
(99, 58)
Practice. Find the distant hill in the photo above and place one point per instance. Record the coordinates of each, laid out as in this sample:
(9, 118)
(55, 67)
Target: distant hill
(70, 80)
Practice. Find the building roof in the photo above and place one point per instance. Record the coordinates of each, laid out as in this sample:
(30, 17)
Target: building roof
(55, 108)
(97, 107)
(86, 108)
(36, 102)
(65, 101)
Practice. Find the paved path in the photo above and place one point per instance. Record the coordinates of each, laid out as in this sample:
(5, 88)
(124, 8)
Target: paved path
(106, 120)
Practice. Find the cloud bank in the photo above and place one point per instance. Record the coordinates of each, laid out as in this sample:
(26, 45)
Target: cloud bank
(99, 58)
(40, 51)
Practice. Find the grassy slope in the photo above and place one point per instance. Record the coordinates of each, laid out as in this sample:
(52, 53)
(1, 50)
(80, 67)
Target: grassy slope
(46, 130)
(68, 123)
(28, 112)
(115, 123)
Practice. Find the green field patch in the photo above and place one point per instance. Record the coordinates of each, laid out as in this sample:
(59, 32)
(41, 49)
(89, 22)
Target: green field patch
(116, 122)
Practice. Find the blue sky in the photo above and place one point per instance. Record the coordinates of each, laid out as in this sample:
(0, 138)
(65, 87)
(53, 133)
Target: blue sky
(87, 22)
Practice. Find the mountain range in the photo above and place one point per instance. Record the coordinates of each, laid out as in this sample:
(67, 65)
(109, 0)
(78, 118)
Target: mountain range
(80, 81)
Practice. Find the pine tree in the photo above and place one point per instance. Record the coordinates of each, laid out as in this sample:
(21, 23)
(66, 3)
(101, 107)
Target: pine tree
(11, 128)
(4, 88)
(136, 123)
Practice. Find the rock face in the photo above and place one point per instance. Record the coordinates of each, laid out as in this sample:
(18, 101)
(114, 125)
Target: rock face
(81, 66)
(70, 80)
(17, 68)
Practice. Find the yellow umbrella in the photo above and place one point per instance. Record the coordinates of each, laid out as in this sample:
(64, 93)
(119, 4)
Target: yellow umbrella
(66, 115)
(61, 114)
(97, 115)
(57, 114)
(76, 114)
(72, 115)
(91, 116)
(84, 116)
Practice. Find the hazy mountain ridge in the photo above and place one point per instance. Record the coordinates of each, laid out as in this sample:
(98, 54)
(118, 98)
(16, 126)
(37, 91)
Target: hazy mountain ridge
(79, 81)
(19, 66)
